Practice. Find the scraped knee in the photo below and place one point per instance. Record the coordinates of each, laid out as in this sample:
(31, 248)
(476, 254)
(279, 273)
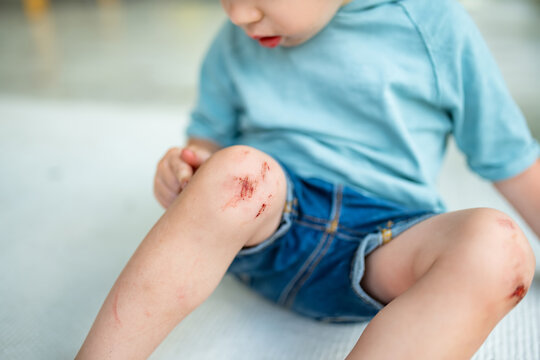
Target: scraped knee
(503, 258)
(245, 181)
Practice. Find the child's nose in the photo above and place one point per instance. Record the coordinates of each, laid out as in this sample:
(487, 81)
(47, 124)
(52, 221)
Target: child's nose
(243, 14)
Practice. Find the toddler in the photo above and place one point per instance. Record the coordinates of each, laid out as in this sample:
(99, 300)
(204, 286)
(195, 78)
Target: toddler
(310, 175)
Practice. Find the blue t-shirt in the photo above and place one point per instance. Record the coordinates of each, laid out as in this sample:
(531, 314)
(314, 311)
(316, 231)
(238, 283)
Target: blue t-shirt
(370, 101)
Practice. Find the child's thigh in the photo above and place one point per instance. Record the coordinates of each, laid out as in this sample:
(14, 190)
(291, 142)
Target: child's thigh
(461, 237)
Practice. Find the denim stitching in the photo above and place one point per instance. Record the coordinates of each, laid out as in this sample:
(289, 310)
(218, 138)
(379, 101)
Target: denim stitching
(352, 231)
(303, 275)
(340, 235)
(378, 227)
(336, 206)
(347, 237)
(283, 297)
(311, 226)
(314, 219)
(306, 276)
(382, 225)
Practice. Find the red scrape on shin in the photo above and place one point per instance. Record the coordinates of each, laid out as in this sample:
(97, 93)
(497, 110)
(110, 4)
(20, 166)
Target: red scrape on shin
(519, 293)
(115, 309)
(506, 223)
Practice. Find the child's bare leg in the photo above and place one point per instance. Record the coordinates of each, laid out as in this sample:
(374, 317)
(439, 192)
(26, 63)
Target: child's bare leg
(235, 199)
(450, 280)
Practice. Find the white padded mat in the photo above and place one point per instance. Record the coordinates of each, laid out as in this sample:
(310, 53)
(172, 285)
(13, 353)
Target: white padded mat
(76, 199)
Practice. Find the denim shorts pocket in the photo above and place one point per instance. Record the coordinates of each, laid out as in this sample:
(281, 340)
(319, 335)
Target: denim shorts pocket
(370, 243)
(366, 246)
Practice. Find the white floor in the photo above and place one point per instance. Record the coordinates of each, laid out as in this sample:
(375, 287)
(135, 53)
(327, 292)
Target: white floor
(89, 101)
(76, 200)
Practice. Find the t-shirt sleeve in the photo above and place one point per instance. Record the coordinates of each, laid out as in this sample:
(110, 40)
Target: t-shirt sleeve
(214, 116)
(487, 124)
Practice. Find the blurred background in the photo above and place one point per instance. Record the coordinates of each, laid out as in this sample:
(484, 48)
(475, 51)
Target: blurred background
(92, 93)
(104, 50)
(140, 51)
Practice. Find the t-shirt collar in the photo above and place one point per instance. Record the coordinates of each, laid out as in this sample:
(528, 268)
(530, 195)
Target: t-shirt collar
(364, 4)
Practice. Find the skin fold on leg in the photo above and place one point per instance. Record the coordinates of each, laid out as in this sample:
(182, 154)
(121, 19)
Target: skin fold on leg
(447, 281)
(235, 199)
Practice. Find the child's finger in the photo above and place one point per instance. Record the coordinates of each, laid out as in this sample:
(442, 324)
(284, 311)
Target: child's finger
(163, 195)
(194, 155)
(166, 175)
(182, 171)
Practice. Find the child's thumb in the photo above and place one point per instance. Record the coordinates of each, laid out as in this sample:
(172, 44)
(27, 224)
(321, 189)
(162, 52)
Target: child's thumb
(194, 156)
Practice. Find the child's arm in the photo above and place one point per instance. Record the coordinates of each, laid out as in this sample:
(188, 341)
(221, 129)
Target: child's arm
(523, 192)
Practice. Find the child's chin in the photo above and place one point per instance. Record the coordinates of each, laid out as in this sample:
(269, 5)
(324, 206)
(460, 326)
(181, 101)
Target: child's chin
(288, 42)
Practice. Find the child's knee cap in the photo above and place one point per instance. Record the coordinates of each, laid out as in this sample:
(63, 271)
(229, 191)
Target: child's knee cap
(503, 258)
(246, 181)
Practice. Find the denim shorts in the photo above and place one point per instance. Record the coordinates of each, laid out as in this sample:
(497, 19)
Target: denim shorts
(313, 264)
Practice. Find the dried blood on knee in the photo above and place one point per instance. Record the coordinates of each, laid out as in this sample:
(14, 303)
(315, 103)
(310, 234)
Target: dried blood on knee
(506, 223)
(519, 293)
(247, 187)
(264, 169)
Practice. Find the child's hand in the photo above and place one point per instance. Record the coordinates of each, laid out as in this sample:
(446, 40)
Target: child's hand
(175, 170)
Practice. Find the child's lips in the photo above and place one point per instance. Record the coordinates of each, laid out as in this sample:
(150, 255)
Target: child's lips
(268, 41)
